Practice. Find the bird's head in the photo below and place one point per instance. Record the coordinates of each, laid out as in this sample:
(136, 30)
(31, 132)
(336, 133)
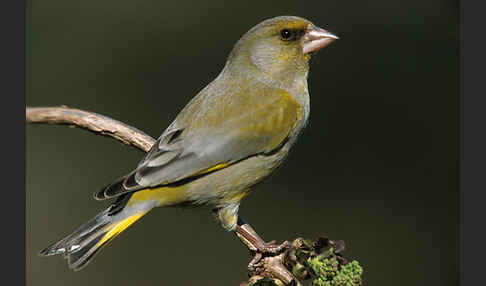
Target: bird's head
(279, 47)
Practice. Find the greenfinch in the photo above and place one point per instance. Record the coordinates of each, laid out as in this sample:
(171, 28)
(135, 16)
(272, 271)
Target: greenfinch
(230, 136)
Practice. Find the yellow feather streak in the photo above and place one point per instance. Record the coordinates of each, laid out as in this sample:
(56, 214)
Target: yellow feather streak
(219, 166)
(118, 227)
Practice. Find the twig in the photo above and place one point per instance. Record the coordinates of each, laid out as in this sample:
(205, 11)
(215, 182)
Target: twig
(91, 121)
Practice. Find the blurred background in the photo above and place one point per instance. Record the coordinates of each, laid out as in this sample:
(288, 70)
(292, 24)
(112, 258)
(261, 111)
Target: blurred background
(376, 167)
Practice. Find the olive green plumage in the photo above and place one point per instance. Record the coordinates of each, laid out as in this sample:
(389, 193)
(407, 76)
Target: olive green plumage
(229, 137)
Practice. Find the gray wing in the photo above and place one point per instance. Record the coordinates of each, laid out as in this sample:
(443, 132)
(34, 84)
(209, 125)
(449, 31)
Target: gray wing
(186, 151)
(175, 157)
(182, 154)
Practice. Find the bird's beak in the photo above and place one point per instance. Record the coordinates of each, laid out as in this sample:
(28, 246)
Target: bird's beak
(316, 39)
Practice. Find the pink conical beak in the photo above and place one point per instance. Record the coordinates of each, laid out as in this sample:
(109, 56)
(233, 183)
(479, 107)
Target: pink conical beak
(316, 39)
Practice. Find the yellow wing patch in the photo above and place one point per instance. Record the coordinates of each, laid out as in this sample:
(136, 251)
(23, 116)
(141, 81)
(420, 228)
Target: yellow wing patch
(217, 167)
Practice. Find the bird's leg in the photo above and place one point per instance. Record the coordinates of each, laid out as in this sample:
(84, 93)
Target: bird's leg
(255, 243)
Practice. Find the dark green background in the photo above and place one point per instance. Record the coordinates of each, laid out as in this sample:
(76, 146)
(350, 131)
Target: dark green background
(377, 166)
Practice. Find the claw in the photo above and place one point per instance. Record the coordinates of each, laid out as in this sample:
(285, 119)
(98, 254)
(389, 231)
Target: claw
(272, 248)
(268, 248)
(257, 245)
(252, 266)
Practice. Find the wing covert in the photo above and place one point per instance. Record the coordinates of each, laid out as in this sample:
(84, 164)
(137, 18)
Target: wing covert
(213, 137)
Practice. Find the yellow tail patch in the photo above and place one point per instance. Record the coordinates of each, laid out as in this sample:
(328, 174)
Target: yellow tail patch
(118, 227)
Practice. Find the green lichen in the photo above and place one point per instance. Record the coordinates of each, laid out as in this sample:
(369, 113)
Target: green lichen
(317, 262)
(328, 272)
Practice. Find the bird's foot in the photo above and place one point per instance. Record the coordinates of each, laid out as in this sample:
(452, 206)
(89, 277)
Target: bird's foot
(273, 247)
(257, 246)
(270, 248)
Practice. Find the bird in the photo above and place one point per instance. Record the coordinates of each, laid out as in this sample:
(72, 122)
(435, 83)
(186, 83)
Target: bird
(234, 133)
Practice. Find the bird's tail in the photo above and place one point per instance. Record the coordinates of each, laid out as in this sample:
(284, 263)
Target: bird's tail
(80, 246)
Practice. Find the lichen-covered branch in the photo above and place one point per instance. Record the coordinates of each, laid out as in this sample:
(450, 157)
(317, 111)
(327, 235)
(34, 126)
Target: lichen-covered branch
(317, 261)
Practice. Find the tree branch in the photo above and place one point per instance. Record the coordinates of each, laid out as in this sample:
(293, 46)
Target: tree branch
(91, 121)
(317, 260)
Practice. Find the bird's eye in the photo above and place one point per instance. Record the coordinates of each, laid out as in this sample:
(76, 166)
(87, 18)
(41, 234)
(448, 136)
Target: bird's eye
(286, 34)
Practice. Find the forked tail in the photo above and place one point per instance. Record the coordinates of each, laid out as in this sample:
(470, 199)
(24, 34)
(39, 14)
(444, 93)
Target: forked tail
(80, 247)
